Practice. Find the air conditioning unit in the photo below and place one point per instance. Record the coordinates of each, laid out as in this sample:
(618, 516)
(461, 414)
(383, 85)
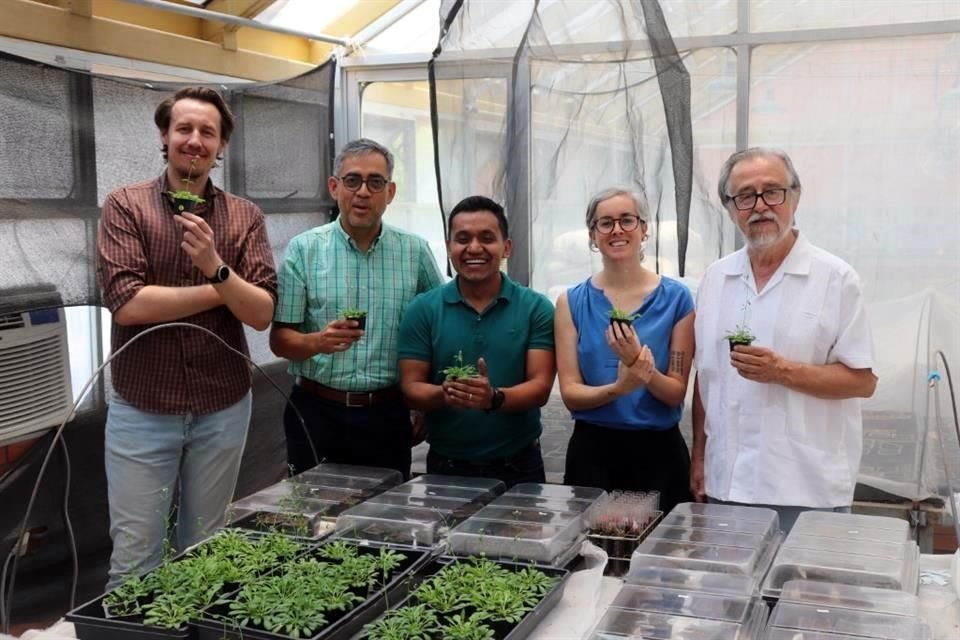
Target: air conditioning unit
(35, 389)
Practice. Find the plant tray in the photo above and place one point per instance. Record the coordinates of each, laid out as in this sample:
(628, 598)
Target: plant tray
(265, 521)
(91, 621)
(340, 624)
(502, 630)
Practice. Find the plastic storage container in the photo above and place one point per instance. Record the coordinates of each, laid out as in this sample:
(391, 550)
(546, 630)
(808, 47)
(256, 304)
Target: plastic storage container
(849, 525)
(516, 541)
(561, 491)
(656, 613)
(851, 597)
(744, 561)
(843, 566)
(386, 476)
(405, 526)
(847, 622)
(689, 580)
(418, 513)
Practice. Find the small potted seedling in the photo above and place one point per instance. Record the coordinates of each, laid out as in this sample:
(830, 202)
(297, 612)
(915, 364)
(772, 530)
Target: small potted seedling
(621, 316)
(183, 199)
(460, 370)
(357, 315)
(742, 334)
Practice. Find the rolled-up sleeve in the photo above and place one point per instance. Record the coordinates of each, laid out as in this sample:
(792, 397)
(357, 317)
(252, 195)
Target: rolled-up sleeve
(121, 260)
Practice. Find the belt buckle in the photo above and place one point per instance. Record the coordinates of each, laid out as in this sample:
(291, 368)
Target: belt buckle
(369, 396)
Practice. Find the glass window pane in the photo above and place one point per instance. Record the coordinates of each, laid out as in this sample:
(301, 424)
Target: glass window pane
(397, 115)
(785, 15)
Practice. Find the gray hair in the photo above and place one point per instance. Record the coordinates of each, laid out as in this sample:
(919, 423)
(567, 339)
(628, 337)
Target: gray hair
(723, 185)
(639, 201)
(362, 147)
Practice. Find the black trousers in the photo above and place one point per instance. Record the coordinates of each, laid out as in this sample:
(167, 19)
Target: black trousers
(618, 459)
(524, 466)
(375, 436)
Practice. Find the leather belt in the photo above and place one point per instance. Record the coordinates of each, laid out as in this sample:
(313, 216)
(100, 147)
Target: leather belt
(350, 398)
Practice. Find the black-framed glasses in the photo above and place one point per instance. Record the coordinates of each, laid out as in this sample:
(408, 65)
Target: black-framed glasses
(627, 222)
(771, 197)
(375, 182)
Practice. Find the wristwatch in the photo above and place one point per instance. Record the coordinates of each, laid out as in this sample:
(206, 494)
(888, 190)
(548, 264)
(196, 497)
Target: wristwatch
(497, 400)
(220, 275)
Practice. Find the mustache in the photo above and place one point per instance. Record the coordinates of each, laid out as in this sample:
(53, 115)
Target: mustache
(758, 217)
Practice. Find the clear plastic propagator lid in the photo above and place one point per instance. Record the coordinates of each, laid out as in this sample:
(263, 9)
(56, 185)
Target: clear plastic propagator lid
(843, 567)
(851, 622)
(561, 491)
(367, 486)
(518, 514)
(385, 476)
(447, 506)
(684, 602)
(279, 504)
(894, 551)
(517, 541)
(851, 597)
(690, 580)
(572, 505)
(406, 526)
(709, 536)
(776, 633)
(743, 561)
(482, 485)
(769, 530)
(815, 519)
(619, 623)
(727, 511)
(466, 494)
(295, 491)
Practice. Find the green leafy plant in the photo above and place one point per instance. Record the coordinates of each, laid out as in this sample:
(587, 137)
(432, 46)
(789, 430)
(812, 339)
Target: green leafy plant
(407, 623)
(619, 315)
(338, 550)
(184, 199)
(459, 627)
(740, 335)
(460, 370)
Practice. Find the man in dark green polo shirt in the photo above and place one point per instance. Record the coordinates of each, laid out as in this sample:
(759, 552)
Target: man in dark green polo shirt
(489, 424)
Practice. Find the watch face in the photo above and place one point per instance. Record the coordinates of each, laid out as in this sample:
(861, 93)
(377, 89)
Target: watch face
(223, 272)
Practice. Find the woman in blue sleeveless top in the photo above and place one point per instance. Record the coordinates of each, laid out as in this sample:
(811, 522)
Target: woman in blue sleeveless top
(625, 382)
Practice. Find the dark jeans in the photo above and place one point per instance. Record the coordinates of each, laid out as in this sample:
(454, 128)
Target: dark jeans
(524, 466)
(375, 436)
(630, 460)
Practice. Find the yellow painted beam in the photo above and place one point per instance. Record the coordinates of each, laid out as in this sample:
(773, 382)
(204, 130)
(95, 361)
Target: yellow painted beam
(39, 22)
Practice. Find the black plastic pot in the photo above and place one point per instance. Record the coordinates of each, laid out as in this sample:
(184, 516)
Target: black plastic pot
(184, 205)
(361, 321)
(734, 343)
(623, 323)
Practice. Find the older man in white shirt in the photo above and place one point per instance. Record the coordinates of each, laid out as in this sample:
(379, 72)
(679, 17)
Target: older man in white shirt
(777, 423)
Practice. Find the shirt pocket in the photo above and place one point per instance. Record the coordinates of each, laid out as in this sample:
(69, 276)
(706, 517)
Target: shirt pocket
(809, 340)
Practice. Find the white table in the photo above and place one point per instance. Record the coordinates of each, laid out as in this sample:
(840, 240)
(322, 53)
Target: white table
(587, 596)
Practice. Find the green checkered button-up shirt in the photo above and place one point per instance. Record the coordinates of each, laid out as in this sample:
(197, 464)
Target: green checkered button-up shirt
(323, 272)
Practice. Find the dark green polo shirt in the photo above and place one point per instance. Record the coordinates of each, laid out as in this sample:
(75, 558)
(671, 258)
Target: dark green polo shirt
(438, 324)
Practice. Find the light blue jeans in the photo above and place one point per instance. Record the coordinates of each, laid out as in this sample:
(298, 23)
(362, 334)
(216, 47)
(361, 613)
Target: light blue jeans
(150, 457)
(787, 515)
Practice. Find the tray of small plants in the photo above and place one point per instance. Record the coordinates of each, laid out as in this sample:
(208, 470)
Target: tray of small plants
(472, 599)
(327, 592)
(621, 523)
(160, 603)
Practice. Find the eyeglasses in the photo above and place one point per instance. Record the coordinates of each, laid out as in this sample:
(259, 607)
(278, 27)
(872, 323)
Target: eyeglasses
(353, 181)
(627, 222)
(747, 201)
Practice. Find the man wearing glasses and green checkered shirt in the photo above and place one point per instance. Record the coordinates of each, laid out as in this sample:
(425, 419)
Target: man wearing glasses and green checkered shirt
(347, 376)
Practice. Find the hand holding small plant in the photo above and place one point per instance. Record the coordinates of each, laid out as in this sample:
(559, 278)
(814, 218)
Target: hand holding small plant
(621, 316)
(184, 199)
(357, 315)
(460, 370)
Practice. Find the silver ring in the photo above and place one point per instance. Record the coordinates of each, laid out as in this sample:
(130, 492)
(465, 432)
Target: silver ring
(470, 398)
